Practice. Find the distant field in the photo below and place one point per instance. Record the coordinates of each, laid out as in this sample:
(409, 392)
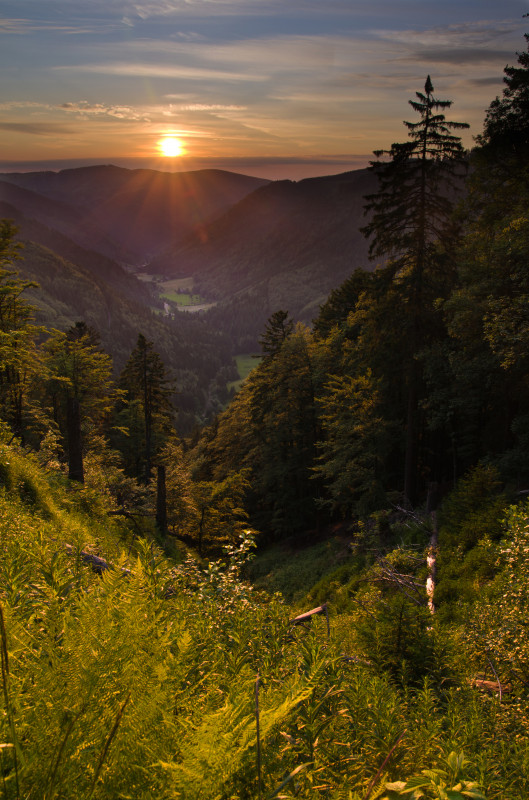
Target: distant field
(177, 283)
(245, 363)
(182, 299)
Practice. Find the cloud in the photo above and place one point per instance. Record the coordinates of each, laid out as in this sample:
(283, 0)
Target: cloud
(454, 55)
(136, 70)
(473, 33)
(86, 109)
(21, 27)
(12, 104)
(212, 107)
(37, 128)
(495, 81)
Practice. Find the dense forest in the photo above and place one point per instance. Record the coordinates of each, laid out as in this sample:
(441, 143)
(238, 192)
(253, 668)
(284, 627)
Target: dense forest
(154, 590)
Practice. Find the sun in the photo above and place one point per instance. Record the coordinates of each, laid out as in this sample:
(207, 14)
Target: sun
(170, 146)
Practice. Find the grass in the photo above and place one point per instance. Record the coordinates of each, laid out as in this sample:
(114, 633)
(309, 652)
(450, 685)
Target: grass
(245, 363)
(295, 571)
(176, 284)
(143, 684)
(182, 299)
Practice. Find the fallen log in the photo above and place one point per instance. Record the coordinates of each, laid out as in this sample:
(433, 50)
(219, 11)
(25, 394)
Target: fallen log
(492, 687)
(306, 617)
(99, 565)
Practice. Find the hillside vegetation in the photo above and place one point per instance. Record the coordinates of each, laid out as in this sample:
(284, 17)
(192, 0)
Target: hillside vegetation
(376, 465)
(141, 680)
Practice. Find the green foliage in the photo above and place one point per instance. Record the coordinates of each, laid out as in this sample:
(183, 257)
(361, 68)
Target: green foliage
(497, 625)
(470, 525)
(21, 366)
(355, 443)
(80, 387)
(141, 682)
(444, 784)
(473, 510)
(144, 415)
(296, 571)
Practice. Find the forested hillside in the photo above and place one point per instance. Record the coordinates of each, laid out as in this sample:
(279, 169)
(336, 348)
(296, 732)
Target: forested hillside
(285, 243)
(140, 211)
(375, 464)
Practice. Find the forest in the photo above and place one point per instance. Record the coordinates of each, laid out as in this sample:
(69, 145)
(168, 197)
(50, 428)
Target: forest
(324, 592)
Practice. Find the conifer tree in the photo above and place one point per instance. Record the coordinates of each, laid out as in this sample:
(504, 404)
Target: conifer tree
(411, 210)
(506, 128)
(410, 217)
(20, 358)
(277, 330)
(488, 313)
(80, 384)
(147, 393)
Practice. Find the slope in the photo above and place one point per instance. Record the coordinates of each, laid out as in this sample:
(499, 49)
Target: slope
(100, 266)
(143, 211)
(287, 244)
(67, 293)
(59, 215)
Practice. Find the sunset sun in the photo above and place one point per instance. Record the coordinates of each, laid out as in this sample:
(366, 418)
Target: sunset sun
(170, 146)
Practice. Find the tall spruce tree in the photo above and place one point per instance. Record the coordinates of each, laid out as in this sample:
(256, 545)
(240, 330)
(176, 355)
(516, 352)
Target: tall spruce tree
(410, 216)
(488, 313)
(278, 329)
(147, 411)
(80, 386)
(20, 358)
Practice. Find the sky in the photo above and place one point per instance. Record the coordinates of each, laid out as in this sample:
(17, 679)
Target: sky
(272, 88)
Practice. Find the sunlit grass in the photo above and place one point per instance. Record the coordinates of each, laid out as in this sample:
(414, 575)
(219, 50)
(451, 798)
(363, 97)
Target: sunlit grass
(182, 299)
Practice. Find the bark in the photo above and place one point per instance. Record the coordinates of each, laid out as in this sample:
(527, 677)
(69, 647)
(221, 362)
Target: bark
(161, 501)
(73, 433)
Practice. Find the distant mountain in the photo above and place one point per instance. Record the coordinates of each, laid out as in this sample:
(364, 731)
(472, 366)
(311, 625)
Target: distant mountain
(286, 245)
(61, 216)
(99, 266)
(140, 212)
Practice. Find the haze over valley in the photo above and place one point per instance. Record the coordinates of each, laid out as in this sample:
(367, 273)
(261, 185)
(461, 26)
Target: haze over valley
(109, 246)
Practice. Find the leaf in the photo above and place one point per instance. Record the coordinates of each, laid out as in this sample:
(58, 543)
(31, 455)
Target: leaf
(417, 781)
(288, 779)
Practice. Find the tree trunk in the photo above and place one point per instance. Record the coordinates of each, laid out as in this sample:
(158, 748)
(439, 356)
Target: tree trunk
(73, 433)
(410, 460)
(161, 501)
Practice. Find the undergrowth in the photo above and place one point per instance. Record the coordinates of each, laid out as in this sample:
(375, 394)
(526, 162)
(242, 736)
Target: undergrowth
(141, 682)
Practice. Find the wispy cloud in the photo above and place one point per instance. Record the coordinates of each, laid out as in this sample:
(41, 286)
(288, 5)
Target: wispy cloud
(136, 70)
(211, 107)
(37, 128)
(22, 27)
(457, 56)
(86, 109)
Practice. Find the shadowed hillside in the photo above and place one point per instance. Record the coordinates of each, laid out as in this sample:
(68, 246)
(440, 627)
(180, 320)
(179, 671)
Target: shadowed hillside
(291, 243)
(141, 210)
(95, 263)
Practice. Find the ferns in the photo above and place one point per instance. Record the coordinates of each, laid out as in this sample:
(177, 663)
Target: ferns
(140, 683)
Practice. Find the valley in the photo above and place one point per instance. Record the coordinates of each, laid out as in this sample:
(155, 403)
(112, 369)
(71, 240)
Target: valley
(302, 575)
(111, 246)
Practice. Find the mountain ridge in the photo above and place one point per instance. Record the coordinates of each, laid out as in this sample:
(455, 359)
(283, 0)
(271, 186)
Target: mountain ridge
(141, 211)
(308, 228)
